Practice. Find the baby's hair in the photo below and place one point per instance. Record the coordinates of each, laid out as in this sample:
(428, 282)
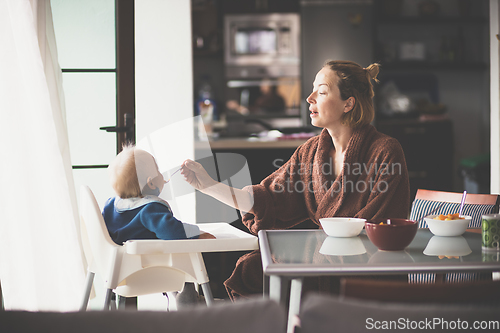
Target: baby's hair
(123, 173)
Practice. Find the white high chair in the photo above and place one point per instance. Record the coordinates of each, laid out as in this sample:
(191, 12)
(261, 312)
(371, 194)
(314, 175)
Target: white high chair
(130, 273)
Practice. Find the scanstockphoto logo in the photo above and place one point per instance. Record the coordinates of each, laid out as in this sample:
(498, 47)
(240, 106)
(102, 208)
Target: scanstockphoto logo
(438, 324)
(369, 177)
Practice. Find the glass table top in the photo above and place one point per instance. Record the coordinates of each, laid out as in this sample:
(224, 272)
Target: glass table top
(312, 252)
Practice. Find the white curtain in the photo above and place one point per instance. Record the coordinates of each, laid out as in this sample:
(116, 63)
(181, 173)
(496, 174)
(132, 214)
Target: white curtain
(41, 264)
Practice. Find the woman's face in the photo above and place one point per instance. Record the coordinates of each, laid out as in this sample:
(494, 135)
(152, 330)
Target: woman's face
(326, 105)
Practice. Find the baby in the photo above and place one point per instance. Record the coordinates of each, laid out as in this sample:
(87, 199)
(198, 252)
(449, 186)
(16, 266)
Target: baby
(137, 212)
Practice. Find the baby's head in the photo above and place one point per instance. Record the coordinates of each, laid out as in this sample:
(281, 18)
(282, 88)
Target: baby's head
(134, 173)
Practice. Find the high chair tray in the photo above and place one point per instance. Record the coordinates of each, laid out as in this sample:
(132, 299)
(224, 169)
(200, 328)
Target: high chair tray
(228, 238)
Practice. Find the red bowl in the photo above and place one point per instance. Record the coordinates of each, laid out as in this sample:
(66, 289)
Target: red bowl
(393, 235)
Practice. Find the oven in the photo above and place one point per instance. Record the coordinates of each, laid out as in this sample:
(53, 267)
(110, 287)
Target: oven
(262, 45)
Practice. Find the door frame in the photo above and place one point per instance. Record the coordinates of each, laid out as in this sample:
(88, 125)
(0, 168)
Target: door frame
(125, 71)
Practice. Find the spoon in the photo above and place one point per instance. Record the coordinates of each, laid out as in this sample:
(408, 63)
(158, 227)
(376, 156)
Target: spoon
(173, 175)
(462, 203)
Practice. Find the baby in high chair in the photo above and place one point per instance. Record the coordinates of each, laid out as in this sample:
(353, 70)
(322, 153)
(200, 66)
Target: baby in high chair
(137, 212)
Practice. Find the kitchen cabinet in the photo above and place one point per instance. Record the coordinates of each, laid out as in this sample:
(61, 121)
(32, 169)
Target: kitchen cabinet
(435, 55)
(260, 6)
(428, 148)
(432, 35)
(206, 28)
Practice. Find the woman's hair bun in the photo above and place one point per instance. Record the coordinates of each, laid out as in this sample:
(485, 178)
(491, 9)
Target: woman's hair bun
(372, 71)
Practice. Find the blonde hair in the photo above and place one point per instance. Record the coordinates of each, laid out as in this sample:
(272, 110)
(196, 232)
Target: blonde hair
(355, 81)
(130, 170)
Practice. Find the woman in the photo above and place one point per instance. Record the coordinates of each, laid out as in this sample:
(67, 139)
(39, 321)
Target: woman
(350, 169)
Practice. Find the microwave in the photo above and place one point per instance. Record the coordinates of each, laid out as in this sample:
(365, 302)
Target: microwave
(262, 45)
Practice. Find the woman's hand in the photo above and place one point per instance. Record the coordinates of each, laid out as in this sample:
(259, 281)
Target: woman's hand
(196, 175)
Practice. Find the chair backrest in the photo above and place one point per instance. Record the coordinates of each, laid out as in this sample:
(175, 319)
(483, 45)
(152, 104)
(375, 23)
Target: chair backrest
(429, 202)
(95, 235)
(321, 313)
(245, 316)
(402, 291)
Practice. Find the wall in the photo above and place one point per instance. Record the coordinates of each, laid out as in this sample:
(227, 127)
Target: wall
(466, 95)
(164, 81)
(328, 34)
(495, 89)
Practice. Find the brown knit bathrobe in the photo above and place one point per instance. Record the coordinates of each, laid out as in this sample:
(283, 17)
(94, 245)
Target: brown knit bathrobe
(373, 184)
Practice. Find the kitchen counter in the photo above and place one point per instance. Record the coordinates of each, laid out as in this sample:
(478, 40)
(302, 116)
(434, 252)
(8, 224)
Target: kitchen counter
(249, 143)
(262, 154)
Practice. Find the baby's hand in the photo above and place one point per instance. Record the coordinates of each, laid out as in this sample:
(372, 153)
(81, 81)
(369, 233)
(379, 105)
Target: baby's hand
(206, 235)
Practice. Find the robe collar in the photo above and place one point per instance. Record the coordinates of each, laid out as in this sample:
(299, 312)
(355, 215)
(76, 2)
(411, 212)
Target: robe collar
(330, 200)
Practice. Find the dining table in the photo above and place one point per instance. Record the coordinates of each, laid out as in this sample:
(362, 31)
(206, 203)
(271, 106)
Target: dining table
(292, 255)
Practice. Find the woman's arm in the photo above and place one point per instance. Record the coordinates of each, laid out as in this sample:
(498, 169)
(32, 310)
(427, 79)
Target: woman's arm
(276, 203)
(197, 176)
